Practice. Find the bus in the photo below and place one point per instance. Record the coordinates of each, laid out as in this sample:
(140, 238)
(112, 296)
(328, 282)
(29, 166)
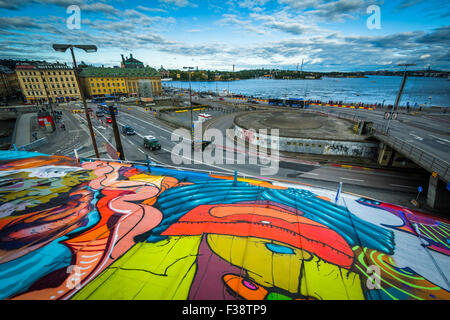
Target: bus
(105, 108)
(293, 103)
(98, 100)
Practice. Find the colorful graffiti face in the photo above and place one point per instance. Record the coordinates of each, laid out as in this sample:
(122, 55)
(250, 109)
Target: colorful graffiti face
(116, 231)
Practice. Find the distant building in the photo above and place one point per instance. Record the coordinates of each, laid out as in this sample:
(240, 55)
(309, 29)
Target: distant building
(47, 82)
(163, 73)
(131, 63)
(9, 83)
(102, 82)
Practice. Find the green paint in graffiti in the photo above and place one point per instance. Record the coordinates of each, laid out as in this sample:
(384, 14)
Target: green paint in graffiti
(361, 260)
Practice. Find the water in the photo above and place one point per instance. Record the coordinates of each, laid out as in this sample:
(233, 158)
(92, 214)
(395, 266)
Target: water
(374, 89)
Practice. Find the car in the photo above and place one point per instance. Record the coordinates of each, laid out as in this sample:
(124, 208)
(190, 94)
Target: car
(128, 130)
(108, 120)
(151, 143)
(99, 113)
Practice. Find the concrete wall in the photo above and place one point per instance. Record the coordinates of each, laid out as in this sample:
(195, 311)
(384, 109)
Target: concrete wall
(312, 146)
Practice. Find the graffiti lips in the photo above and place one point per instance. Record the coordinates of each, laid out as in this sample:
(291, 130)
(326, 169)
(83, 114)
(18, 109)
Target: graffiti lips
(267, 222)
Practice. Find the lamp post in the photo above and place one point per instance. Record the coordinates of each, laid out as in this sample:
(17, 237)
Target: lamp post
(190, 102)
(116, 130)
(397, 101)
(87, 48)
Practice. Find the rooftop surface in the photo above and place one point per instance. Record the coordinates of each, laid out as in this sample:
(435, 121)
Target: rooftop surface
(300, 124)
(106, 230)
(118, 72)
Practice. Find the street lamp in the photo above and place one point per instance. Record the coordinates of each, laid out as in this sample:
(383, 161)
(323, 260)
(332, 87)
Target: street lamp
(190, 101)
(116, 130)
(87, 48)
(395, 107)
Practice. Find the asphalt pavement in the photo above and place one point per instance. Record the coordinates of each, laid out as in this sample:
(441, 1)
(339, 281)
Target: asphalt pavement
(390, 186)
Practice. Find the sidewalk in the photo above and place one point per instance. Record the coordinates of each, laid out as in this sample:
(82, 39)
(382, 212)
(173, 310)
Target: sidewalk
(23, 130)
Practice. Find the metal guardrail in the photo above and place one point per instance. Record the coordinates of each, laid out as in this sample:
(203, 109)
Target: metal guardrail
(420, 157)
(33, 145)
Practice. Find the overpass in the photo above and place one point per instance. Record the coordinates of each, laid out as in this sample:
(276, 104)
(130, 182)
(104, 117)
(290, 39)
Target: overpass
(433, 156)
(13, 112)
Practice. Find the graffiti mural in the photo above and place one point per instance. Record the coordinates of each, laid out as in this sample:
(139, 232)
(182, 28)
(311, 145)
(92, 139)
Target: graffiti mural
(106, 230)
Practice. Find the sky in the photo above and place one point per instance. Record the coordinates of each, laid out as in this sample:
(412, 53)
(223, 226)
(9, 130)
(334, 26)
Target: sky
(326, 35)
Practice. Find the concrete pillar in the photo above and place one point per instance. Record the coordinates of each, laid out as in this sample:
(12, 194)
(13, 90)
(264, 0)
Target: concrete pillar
(362, 126)
(385, 155)
(438, 196)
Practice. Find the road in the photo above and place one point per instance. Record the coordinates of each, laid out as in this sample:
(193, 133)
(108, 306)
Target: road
(386, 185)
(391, 186)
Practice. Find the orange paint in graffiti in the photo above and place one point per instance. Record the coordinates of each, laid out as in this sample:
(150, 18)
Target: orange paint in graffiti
(39, 161)
(324, 198)
(94, 250)
(244, 287)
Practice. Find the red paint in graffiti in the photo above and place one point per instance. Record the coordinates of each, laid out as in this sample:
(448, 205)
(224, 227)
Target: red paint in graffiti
(266, 222)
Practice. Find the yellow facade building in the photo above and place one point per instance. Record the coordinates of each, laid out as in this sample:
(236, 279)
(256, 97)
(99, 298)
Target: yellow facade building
(47, 82)
(103, 82)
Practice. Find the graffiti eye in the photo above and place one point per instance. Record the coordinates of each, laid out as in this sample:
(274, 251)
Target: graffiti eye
(279, 249)
(265, 222)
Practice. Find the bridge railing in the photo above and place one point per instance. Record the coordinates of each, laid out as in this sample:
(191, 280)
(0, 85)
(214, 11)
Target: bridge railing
(419, 156)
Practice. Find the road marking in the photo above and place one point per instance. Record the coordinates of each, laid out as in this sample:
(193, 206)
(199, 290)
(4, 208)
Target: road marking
(310, 173)
(416, 137)
(359, 180)
(401, 186)
(439, 138)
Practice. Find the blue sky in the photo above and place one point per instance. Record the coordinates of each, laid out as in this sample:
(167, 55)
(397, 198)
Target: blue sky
(328, 35)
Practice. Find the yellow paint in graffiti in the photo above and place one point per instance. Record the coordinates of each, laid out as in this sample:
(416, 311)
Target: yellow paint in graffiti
(323, 280)
(264, 267)
(149, 271)
(34, 194)
(156, 180)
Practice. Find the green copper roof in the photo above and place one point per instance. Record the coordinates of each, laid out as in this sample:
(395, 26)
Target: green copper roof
(118, 72)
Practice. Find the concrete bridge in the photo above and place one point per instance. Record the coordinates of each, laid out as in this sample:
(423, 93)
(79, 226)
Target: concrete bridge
(423, 142)
(13, 112)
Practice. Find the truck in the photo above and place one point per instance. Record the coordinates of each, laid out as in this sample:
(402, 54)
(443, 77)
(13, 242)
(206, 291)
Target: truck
(128, 130)
(150, 142)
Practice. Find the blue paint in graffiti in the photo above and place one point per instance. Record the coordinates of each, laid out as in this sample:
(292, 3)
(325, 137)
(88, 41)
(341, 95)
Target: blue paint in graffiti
(93, 217)
(176, 202)
(35, 265)
(179, 175)
(16, 155)
(279, 249)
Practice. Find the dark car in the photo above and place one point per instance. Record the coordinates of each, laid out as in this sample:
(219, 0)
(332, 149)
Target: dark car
(152, 143)
(99, 113)
(128, 130)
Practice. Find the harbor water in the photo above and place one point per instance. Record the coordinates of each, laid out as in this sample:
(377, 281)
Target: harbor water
(419, 91)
